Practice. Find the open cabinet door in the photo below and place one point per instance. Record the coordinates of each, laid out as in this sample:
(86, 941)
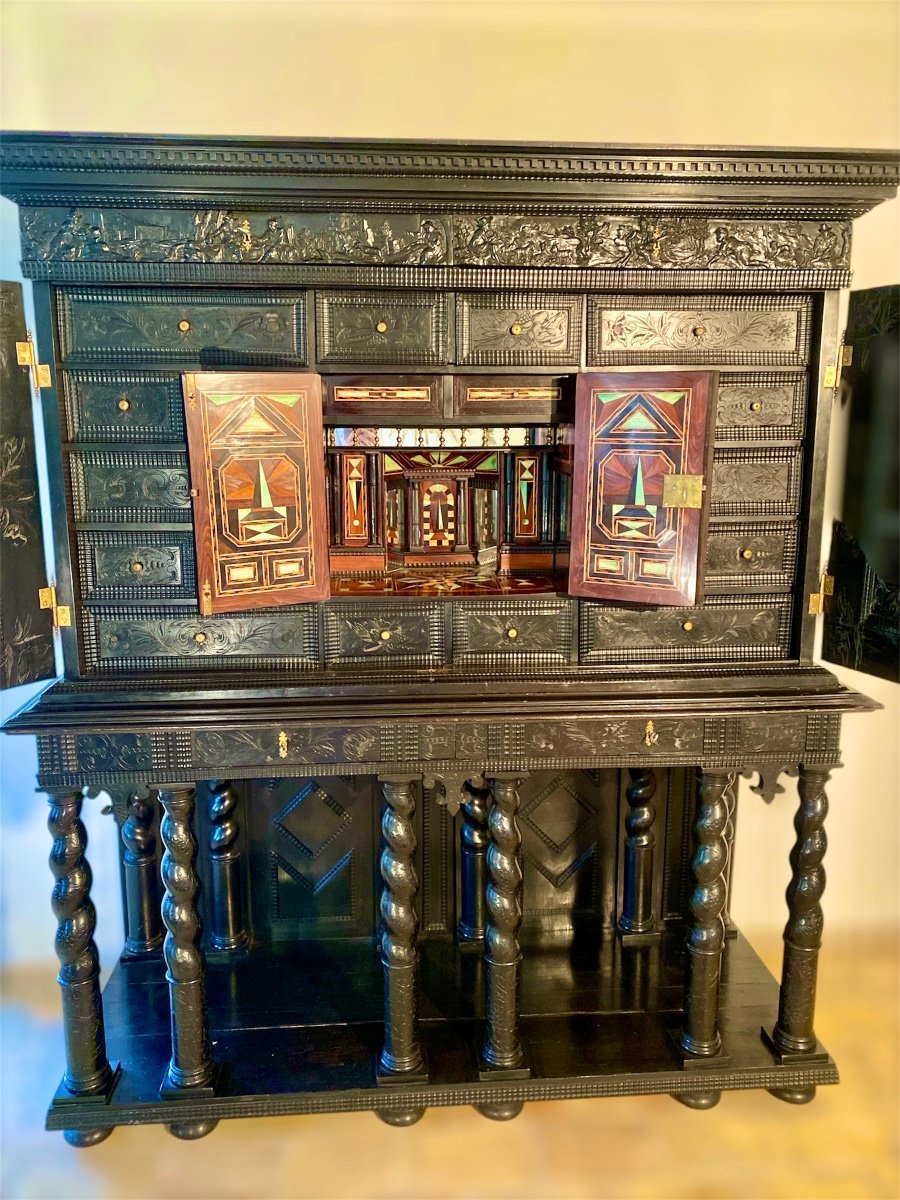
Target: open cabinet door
(258, 485)
(640, 503)
(26, 629)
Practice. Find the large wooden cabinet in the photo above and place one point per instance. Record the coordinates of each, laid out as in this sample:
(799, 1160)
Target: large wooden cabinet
(408, 818)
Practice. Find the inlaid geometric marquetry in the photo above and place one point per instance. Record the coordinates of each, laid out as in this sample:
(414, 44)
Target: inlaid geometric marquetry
(258, 478)
(354, 490)
(642, 451)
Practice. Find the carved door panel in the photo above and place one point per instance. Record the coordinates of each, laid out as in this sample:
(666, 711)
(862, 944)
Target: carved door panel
(258, 482)
(641, 498)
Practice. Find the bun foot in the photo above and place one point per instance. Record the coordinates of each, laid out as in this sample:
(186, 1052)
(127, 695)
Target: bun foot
(82, 1138)
(401, 1117)
(699, 1100)
(794, 1095)
(503, 1110)
(189, 1131)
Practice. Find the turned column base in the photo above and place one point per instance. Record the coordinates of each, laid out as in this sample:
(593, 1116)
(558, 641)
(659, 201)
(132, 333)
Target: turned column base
(788, 1056)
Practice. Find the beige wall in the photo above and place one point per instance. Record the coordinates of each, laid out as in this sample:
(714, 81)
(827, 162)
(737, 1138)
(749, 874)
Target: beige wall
(758, 73)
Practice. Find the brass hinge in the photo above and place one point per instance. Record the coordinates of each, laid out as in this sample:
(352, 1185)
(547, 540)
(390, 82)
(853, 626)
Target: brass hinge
(817, 599)
(40, 372)
(62, 614)
(846, 356)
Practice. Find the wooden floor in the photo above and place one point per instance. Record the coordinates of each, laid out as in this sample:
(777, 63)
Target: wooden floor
(844, 1145)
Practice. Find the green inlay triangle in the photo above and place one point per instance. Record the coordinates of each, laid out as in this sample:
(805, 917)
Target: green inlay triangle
(288, 401)
(609, 397)
(637, 487)
(265, 496)
(639, 419)
(668, 397)
(489, 464)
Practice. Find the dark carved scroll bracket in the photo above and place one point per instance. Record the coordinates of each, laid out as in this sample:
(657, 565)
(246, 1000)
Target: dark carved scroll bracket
(768, 786)
(451, 788)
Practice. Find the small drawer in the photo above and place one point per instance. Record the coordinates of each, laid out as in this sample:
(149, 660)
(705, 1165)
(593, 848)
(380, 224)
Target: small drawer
(499, 399)
(126, 488)
(368, 635)
(502, 632)
(756, 483)
(138, 566)
(518, 329)
(188, 328)
(383, 400)
(761, 407)
(140, 639)
(382, 327)
(119, 406)
(747, 556)
(722, 629)
(719, 330)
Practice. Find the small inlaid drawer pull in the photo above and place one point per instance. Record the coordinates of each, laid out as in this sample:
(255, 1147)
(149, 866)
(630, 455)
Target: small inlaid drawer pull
(124, 404)
(200, 637)
(687, 626)
(184, 326)
(747, 553)
(516, 329)
(137, 567)
(756, 405)
(512, 634)
(381, 327)
(698, 331)
(385, 635)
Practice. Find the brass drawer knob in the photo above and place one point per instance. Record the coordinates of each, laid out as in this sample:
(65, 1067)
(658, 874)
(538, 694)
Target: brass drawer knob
(512, 634)
(381, 327)
(124, 404)
(200, 637)
(137, 567)
(698, 331)
(385, 635)
(747, 553)
(687, 626)
(756, 405)
(516, 329)
(184, 326)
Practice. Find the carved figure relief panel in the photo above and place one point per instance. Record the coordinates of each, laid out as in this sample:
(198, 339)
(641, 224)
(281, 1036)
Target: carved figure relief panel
(258, 475)
(639, 514)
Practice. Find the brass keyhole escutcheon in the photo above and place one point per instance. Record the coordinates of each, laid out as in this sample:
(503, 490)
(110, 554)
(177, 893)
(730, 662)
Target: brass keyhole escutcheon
(756, 406)
(385, 635)
(516, 329)
(184, 326)
(200, 637)
(381, 327)
(137, 567)
(687, 626)
(512, 634)
(698, 331)
(747, 553)
(124, 404)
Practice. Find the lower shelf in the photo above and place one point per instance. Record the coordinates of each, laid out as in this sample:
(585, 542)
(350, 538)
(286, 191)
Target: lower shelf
(601, 1028)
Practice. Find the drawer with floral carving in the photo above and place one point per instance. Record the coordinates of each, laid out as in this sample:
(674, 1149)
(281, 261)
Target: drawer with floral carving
(140, 565)
(756, 482)
(126, 487)
(725, 628)
(123, 406)
(769, 331)
(382, 327)
(518, 329)
(151, 639)
(183, 327)
(765, 406)
(752, 556)
(534, 632)
(368, 635)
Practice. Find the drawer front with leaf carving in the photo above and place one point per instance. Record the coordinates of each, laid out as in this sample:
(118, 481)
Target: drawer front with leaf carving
(366, 635)
(512, 329)
(763, 406)
(751, 556)
(125, 488)
(123, 406)
(136, 566)
(756, 483)
(723, 629)
(191, 328)
(503, 633)
(141, 639)
(727, 330)
(382, 327)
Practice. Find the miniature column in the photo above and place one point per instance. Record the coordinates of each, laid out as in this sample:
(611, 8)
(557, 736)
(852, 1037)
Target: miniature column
(141, 869)
(640, 839)
(227, 902)
(474, 839)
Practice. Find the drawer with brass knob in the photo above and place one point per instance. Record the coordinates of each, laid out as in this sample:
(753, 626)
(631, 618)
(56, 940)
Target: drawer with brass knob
(367, 634)
(122, 406)
(765, 406)
(180, 326)
(136, 566)
(759, 556)
(530, 632)
(518, 329)
(382, 327)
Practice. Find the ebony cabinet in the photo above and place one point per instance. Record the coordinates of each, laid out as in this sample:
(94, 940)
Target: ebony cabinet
(412, 813)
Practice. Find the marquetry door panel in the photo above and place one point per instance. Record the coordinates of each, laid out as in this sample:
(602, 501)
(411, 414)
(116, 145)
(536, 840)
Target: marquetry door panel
(641, 486)
(258, 483)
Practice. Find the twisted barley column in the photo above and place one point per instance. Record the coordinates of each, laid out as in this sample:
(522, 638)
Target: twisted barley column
(706, 937)
(794, 1033)
(401, 1052)
(87, 1068)
(141, 877)
(502, 1048)
(637, 899)
(227, 908)
(191, 1064)
(474, 839)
